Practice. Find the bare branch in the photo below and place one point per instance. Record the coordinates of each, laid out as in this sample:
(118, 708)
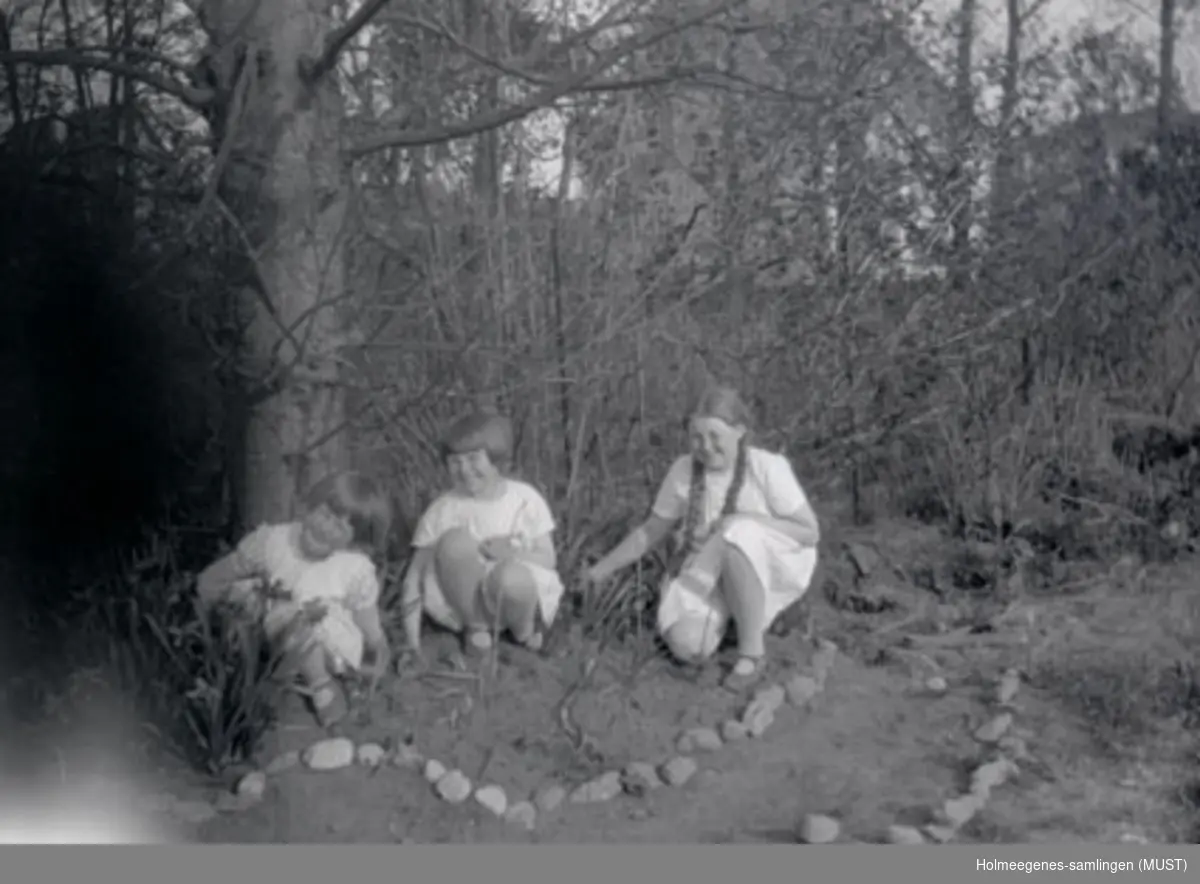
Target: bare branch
(441, 29)
(196, 97)
(339, 38)
(544, 98)
(139, 52)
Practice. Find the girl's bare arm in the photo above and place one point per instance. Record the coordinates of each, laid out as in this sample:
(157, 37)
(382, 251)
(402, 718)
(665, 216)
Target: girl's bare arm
(410, 598)
(215, 580)
(640, 541)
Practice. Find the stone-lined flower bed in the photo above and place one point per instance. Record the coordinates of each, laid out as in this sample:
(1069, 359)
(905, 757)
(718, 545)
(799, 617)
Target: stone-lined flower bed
(638, 778)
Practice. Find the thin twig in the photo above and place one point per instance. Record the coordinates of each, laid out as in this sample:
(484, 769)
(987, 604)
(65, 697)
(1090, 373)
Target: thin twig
(338, 40)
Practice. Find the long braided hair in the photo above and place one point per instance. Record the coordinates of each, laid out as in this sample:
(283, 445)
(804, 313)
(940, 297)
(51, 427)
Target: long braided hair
(724, 404)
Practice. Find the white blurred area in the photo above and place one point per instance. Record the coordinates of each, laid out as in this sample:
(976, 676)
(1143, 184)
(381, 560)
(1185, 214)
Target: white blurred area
(83, 775)
(51, 815)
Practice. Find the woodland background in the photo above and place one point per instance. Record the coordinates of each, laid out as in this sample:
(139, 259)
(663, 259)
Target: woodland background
(244, 242)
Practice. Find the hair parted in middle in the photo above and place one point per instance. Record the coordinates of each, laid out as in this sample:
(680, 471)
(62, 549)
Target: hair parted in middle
(726, 405)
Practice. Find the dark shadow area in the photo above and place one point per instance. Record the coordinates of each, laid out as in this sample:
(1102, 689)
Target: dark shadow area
(98, 398)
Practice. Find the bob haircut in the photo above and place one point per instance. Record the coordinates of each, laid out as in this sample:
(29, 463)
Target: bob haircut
(361, 500)
(492, 433)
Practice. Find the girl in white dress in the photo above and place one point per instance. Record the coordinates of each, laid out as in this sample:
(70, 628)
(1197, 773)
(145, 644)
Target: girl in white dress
(313, 587)
(484, 550)
(748, 531)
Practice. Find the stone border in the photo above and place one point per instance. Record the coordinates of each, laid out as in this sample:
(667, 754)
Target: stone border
(1003, 751)
(638, 778)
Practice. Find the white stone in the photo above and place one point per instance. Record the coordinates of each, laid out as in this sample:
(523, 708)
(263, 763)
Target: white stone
(282, 762)
(771, 697)
(733, 731)
(434, 770)
(960, 811)
(936, 684)
(252, 786)
(454, 787)
(549, 797)
(370, 754)
(904, 835)
(678, 770)
(816, 828)
(802, 689)
(603, 788)
(757, 719)
(522, 814)
(992, 731)
(408, 757)
(493, 798)
(1013, 745)
(940, 834)
(1010, 683)
(332, 754)
(991, 775)
(701, 739)
(640, 777)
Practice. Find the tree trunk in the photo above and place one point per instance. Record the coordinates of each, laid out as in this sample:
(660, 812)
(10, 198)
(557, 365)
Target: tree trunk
(1002, 193)
(1166, 71)
(282, 178)
(964, 123)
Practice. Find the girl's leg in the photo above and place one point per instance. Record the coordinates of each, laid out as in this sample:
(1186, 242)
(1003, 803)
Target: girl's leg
(746, 598)
(511, 594)
(460, 573)
(328, 702)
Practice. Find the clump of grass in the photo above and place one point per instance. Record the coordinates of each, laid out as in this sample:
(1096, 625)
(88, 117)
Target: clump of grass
(1124, 697)
(207, 684)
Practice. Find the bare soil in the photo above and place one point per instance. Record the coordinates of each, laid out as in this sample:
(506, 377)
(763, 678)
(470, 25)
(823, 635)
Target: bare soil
(877, 747)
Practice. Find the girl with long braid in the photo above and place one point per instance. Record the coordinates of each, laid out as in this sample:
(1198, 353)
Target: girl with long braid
(747, 533)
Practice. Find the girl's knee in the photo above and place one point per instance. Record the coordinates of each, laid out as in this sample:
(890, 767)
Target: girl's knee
(455, 543)
(692, 639)
(512, 583)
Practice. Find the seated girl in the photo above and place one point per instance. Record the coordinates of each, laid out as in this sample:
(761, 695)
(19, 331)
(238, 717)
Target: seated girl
(748, 531)
(484, 554)
(313, 587)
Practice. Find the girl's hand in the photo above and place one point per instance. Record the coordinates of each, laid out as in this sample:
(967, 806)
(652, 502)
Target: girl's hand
(314, 611)
(381, 656)
(499, 549)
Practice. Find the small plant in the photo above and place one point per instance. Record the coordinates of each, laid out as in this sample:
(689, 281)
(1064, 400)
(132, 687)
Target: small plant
(1124, 698)
(207, 683)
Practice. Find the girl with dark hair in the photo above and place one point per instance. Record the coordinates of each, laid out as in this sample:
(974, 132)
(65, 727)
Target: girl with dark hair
(313, 586)
(484, 555)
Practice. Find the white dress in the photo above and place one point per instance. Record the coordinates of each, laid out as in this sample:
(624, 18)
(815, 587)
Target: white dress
(784, 566)
(519, 510)
(343, 582)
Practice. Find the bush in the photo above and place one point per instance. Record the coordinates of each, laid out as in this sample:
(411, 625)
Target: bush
(207, 686)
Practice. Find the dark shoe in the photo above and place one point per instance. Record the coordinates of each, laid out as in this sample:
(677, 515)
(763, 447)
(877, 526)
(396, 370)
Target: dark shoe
(746, 671)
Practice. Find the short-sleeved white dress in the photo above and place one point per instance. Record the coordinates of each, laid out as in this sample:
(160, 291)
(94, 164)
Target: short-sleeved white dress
(784, 566)
(345, 581)
(519, 510)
